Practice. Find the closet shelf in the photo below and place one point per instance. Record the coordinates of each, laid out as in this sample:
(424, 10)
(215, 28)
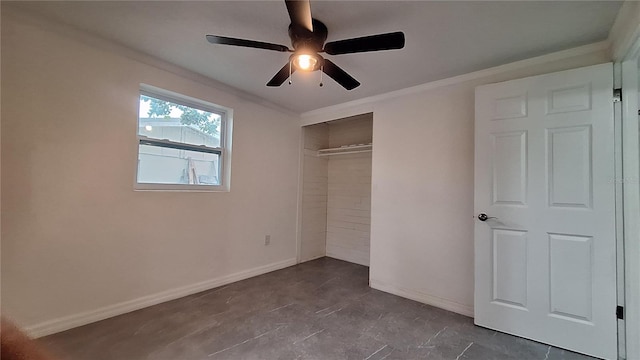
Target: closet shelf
(346, 149)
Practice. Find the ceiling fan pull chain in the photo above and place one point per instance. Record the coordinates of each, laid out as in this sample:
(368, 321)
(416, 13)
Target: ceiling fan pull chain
(321, 71)
(289, 72)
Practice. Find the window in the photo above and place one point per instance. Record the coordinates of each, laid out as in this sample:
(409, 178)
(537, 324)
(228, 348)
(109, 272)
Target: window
(183, 143)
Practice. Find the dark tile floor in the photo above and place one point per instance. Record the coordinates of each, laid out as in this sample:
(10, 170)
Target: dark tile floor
(321, 309)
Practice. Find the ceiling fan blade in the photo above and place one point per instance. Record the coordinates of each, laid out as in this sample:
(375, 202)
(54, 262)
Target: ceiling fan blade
(388, 41)
(281, 76)
(223, 40)
(339, 75)
(300, 13)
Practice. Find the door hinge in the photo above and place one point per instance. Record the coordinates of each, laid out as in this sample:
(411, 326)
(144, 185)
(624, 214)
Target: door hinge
(620, 312)
(617, 95)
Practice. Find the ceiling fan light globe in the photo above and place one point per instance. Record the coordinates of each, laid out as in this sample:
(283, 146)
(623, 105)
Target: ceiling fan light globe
(305, 62)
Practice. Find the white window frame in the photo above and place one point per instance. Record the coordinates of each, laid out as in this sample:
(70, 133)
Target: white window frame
(224, 150)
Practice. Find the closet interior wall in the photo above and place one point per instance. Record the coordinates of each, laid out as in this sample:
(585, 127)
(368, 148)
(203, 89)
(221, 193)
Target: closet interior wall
(314, 193)
(349, 195)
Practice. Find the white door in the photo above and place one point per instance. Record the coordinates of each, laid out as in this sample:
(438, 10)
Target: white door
(545, 266)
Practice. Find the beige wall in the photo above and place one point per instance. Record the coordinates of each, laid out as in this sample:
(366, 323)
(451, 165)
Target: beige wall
(77, 241)
(422, 182)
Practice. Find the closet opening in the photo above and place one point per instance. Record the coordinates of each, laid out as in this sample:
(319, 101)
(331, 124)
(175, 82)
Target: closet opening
(336, 190)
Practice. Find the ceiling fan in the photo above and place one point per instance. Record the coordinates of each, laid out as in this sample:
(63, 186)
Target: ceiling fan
(308, 36)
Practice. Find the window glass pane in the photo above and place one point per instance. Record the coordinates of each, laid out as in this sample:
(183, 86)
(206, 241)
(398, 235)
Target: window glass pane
(159, 165)
(160, 119)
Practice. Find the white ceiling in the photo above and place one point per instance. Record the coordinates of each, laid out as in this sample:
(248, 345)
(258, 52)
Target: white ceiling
(443, 39)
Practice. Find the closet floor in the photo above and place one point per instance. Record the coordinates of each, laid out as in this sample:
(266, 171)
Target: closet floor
(322, 309)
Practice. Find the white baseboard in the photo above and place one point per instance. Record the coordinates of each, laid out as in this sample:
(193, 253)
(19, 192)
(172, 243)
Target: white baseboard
(83, 318)
(423, 298)
(351, 259)
(315, 257)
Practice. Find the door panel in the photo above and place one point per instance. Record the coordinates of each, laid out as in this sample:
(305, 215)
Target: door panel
(509, 168)
(571, 276)
(569, 171)
(510, 268)
(545, 265)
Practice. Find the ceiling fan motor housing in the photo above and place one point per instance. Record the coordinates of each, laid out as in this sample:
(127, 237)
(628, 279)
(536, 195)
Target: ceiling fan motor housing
(305, 40)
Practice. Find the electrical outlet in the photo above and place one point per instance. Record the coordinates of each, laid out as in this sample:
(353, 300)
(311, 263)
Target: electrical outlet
(267, 239)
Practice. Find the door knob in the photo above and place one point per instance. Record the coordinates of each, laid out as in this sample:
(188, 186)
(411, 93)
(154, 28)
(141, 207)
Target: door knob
(485, 217)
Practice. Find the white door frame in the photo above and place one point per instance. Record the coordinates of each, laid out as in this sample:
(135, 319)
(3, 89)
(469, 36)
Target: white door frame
(300, 188)
(627, 77)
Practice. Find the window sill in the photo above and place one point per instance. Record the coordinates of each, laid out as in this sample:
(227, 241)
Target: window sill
(180, 188)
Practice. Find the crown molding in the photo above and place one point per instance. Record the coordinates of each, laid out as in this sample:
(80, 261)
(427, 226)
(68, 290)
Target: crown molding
(355, 107)
(95, 41)
(367, 104)
(625, 31)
